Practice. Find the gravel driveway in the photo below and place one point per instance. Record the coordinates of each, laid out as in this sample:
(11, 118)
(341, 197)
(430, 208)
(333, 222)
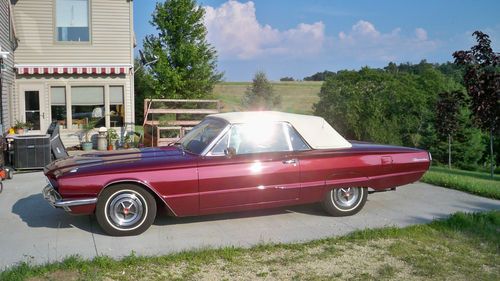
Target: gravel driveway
(31, 230)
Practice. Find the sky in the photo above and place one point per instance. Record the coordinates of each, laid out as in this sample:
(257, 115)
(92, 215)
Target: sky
(291, 38)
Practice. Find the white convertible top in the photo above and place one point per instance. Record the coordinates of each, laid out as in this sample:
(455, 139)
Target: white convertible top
(315, 130)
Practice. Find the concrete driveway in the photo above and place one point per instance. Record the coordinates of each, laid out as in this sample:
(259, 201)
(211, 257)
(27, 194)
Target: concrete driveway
(31, 230)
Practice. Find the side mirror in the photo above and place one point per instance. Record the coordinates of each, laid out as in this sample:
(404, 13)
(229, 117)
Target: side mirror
(230, 152)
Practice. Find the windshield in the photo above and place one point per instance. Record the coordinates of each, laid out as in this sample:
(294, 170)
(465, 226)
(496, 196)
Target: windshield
(202, 135)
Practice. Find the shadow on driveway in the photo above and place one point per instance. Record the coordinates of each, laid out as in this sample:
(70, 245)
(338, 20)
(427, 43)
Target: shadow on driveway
(36, 212)
(310, 209)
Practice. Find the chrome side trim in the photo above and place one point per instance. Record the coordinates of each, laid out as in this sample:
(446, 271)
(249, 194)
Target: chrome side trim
(79, 202)
(55, 199)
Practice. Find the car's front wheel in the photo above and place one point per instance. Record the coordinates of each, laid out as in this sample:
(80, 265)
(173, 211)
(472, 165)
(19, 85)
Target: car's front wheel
(125, 209)
(345, 201)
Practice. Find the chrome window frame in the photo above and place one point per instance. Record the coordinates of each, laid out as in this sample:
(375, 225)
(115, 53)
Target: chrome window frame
(208, 150)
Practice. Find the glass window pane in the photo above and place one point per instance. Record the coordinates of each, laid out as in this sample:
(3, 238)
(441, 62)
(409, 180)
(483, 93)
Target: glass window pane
(202, 135)
(298, 143)
(72, 20)
(32, 102)
(87, 106)
(220, 146)
(58, 105)
(117, 110)
(258, 138)
(32, 109)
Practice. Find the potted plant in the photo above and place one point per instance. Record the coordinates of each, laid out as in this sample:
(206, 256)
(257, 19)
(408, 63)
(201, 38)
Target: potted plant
(112, 137)
(87, 130)
(20, 127)
(127, 141)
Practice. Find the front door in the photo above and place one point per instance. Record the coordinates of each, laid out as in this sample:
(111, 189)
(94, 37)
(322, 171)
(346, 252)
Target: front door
(247, 180)
(260, 170)
(32, 107)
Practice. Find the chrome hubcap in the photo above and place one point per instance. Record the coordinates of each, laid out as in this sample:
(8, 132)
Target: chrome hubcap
(125, 209)
(346, 197)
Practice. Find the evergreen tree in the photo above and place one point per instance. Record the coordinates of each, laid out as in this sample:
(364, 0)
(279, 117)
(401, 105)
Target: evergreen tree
(260, 95)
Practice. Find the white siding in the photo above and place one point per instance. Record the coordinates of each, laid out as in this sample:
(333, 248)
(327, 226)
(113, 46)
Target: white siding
(111, 34)
(8, 75)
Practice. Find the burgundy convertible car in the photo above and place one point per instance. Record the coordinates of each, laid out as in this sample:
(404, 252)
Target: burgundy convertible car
(231, 162)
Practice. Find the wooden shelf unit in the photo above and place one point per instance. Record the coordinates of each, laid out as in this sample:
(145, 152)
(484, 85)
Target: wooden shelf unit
(154, 129)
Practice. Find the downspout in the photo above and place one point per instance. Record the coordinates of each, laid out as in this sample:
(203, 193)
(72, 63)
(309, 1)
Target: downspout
(13, 25)
(132, 84)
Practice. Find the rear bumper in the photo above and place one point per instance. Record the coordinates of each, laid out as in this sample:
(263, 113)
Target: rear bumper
(55, 200)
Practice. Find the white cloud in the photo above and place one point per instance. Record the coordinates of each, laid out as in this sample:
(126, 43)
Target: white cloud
(234, 30)
(421, 34)
(365, 43)
(365, 28)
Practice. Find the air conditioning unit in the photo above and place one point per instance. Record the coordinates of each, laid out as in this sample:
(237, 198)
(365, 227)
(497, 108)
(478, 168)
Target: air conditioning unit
(31, 151)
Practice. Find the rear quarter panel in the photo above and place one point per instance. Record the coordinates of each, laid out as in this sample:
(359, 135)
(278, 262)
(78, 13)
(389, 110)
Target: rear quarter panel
(323, 169)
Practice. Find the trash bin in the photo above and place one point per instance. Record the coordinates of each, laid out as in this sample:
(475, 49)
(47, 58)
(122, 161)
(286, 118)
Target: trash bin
(102, 143)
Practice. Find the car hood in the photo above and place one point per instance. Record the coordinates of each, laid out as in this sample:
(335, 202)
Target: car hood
(122, 160)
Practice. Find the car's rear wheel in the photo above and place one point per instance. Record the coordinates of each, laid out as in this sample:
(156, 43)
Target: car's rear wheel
(125, 209)
(345, 201)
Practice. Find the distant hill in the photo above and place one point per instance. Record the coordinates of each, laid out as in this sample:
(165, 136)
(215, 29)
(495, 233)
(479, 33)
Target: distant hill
(297, 97)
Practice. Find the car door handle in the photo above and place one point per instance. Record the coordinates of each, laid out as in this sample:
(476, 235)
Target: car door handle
(290, 161)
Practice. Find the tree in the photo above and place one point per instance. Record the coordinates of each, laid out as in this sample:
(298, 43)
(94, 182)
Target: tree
(143, 89)
(320, 76)
(384, 105)
(447, 116)
(482, 81)
(287, 79)
(260, 95)
(186, 65)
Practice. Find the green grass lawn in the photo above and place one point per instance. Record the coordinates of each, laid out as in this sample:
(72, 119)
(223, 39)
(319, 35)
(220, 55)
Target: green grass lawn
(297, 97)
(478, 183)
(462, 247)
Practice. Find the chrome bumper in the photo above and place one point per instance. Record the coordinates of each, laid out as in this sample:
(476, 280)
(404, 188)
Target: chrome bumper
(55, 199)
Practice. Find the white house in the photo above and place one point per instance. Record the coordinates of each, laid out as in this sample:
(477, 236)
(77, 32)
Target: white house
(74, 65)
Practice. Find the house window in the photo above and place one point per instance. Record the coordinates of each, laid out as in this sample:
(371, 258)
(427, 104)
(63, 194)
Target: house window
(116, 108)
(72, 20)
(58, 105)
(87, 107)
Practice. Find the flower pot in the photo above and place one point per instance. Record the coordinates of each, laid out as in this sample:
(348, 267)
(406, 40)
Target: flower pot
(20, 131)
(86, 146)
(110, 147)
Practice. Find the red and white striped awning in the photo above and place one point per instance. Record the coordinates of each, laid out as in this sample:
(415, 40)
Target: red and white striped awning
(89, 70)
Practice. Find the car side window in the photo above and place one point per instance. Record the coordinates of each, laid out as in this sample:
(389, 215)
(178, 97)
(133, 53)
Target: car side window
(298, 143)
(258, 138)
(219, 148)
(255, 138)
